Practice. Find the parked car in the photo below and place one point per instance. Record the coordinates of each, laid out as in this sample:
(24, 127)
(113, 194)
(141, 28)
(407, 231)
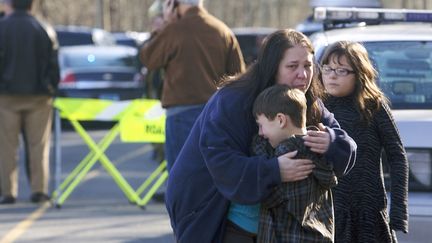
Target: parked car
(81, 35)
(400, 46)
(402, 54)
(105, 72)
(130, 38)
(250, 40)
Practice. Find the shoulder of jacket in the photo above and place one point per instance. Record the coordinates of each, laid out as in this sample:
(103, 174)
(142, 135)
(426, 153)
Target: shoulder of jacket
(233, 94)
(228, 100)
(50, 31)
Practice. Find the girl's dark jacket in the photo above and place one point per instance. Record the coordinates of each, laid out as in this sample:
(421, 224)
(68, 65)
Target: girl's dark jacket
(360, 198)
(215, 167)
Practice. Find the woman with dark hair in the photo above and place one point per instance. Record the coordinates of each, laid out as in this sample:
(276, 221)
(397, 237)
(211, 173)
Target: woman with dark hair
(215, 166)
(360, 199)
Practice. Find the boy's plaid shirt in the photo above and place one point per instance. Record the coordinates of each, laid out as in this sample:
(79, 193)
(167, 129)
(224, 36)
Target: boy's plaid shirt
(300, 211)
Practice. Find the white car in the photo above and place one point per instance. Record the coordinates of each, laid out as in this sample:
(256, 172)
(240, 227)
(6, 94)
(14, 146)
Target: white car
(399, 43)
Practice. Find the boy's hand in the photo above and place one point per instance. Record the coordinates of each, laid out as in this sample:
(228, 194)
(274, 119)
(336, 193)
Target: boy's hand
(318, 141)
(294, 169)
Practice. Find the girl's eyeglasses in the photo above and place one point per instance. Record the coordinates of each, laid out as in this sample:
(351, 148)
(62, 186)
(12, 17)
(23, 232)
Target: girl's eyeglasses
(327, 70)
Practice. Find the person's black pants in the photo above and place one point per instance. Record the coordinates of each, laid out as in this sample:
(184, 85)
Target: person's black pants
(235, 234)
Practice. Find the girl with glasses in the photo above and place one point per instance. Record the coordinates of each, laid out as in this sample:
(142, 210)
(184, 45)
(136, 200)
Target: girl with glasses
(360, 200)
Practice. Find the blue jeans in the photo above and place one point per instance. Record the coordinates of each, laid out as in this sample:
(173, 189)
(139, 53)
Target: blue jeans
(178, 124)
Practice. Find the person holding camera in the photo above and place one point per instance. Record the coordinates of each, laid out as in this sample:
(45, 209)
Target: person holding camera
(29, 75)
(196, 50)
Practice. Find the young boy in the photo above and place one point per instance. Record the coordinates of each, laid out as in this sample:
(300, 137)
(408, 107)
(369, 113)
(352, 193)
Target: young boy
(300, 211)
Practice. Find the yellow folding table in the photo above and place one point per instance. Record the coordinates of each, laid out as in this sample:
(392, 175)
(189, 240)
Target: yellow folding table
(137, 120)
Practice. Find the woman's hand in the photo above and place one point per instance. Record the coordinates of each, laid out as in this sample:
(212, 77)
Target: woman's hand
(318, 141)
(294, 169)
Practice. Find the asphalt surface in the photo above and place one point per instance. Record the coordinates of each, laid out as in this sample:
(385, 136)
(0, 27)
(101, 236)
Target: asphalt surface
(97, 210)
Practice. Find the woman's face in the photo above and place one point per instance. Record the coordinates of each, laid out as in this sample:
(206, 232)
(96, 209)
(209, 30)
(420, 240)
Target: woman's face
(338, 77)
(296, 68)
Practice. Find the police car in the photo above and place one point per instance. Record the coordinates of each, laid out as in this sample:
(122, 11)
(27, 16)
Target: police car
(311, 25)
(399, 43)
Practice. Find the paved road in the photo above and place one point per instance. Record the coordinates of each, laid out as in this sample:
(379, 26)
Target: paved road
(420, 219)
(97, 210)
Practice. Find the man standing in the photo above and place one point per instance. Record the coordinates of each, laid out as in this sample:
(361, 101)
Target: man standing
(195, 50)
(29, 75)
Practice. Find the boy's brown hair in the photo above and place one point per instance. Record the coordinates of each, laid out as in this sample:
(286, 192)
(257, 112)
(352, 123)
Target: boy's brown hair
(281, 99)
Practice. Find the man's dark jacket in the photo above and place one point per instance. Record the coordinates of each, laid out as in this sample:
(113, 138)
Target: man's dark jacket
(28, 59)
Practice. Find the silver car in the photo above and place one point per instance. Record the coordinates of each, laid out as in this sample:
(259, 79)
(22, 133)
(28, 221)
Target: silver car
(105, 72)
(399, 43)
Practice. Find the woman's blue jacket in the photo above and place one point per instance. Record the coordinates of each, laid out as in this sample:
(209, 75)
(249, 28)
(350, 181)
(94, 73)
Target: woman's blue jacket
(215, 167)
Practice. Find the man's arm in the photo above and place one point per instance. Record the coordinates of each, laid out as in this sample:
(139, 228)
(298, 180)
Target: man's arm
(156, 51)
(235, 62)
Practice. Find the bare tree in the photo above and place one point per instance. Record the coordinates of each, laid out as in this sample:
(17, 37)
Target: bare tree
(122, 15)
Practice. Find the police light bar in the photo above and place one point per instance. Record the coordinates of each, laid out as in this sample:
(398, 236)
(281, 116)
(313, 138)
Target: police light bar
(334, 14)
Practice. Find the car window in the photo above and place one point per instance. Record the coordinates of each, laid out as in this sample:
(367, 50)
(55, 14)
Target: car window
(72, 38)
(405, 74)
(88, 60)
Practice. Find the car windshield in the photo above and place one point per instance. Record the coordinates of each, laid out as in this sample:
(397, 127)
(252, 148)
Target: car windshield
(405, 72)
(72, 39)
(91, 60)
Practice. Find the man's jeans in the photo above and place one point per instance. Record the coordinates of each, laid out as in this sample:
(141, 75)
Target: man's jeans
(179, 122)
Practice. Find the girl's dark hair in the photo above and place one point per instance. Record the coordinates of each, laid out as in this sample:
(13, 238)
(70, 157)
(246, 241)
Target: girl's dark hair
(367, 95)
(262, 73)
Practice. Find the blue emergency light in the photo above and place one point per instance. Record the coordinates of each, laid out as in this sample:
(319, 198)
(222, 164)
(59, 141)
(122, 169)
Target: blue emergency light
(370, 15)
